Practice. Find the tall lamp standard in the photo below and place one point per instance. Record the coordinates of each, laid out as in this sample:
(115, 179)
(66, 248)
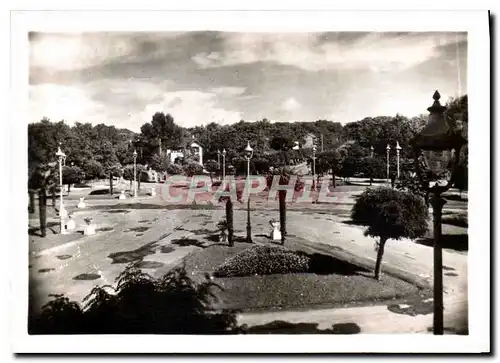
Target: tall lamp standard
(398, 149)
(62, 212)
(314, 167)
(223, 164)
(388, 148)
(135, 173)
(437, 155)
(248, 155)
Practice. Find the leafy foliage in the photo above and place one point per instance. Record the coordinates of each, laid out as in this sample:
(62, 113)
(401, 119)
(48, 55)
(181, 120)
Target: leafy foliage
(390, 213)
(72, 174)
(92, 169)
(263, 260)
(139, 304)
(192, 169)
(174, 169)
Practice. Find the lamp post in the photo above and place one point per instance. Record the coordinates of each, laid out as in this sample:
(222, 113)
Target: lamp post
(248, 155)
(223, 164)
(388, 148)
(437, 155)
(398, 149)
(62, 211)
(135, 173)
(314, 167)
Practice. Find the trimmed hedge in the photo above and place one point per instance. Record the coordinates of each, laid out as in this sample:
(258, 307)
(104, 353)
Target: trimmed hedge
(264, 260)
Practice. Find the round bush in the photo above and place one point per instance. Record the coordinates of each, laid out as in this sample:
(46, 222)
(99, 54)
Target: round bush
(391, 213)
(263, 260)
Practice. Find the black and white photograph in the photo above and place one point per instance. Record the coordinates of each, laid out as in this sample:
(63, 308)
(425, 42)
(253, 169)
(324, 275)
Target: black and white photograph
(199, 181)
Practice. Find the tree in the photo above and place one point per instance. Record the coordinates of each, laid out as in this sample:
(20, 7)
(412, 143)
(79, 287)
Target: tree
(43, 178)
(462, 179)
(390, 214)
(212, 167)
(92, 169)
(159, 163)
(374, 168)
(331, 160)
(112, 170)
(128, 173)
(72, 175)
(282, 143)
(174, 169)
(192, 169)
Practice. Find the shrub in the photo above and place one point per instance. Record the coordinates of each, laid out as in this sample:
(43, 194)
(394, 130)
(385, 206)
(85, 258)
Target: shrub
(192, 169)
(263, 260)
(138, 304)
(174, 169)
(390, 214)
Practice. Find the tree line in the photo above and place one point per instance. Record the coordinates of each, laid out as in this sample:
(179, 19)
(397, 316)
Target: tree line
(98, 151)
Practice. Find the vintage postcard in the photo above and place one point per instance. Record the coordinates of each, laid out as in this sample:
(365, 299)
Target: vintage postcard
(242, 180)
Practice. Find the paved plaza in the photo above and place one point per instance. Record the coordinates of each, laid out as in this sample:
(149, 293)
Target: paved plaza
(148, 229)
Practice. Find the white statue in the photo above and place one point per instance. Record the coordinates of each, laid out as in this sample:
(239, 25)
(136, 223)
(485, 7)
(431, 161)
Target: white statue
(70, 224)
(153, 192)
(89, 229)
(82, 203)
(122, 195)
(275, 232)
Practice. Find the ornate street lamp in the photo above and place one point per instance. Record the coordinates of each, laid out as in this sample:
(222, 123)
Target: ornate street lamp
(135, 173)
(248, 155)
(398, 149)
(62, 212)
(314, 166)
(437, 153)
(223, 165)
(388, 148)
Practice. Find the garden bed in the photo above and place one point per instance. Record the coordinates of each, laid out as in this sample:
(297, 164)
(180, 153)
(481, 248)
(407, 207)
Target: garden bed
(336, 283)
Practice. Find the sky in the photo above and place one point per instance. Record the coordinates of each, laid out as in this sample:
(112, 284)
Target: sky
(122, 79)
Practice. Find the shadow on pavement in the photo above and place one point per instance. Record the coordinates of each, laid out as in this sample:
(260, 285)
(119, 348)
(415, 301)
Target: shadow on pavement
(457, 242)
(35, 231)
(283, 327)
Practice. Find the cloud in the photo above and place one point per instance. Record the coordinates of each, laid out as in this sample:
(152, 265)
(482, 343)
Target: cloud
(189, 109)
(290, 104)
(126, 104)
(55, 52)
(64, 103)
(380, 52)
(228, 91)
(122, 79)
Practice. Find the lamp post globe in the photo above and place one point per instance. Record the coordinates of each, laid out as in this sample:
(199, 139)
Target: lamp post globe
(437, 156)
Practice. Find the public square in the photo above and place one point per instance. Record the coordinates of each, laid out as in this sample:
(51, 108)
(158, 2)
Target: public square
(149, 230)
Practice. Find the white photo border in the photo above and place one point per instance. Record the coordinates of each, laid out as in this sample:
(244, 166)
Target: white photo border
(475, 23)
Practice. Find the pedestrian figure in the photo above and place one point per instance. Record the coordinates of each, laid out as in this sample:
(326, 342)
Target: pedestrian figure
(393, 180)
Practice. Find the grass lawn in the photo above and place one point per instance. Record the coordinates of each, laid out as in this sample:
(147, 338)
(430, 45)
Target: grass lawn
(295, 290)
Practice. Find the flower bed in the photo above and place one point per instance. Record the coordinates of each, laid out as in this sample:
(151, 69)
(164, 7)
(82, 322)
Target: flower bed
(264, 260)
